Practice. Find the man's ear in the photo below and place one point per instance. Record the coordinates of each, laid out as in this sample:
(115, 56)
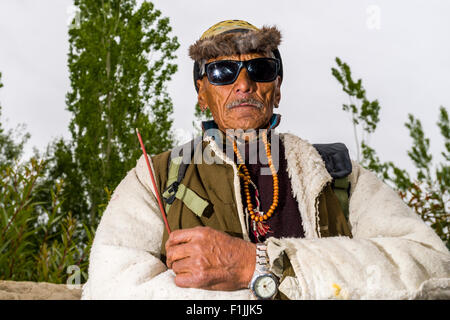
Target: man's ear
(201, 98)
(277, 96)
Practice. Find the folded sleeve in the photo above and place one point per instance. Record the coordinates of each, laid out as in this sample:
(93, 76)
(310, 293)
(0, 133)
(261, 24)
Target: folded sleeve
(125, 256)
(393, 254)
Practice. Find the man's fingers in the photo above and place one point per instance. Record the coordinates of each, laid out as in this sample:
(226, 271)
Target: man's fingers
(185, 277)
(184, 280)
(182, 266)
(193, 280)
(178, 236)
(177, 252)
(183, 235)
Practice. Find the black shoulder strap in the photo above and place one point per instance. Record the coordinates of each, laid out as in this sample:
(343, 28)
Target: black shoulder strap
(336, 158)
(339, 166)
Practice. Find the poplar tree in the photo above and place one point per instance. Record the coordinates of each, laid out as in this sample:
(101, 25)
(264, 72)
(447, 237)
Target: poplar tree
(428, 192)
(120, 57)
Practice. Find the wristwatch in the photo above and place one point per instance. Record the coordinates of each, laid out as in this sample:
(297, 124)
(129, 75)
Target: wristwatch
(264, 284)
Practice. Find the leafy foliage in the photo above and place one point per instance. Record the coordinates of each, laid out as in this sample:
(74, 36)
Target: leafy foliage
(37, 244)
(119, 61)
(120, 57)
(364, 113)
(428, 193)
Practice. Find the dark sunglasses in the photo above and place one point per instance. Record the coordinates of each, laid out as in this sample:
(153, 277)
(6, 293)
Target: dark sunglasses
(224, 72)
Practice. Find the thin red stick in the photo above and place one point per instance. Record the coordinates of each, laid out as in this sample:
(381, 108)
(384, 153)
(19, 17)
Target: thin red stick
(153, 181)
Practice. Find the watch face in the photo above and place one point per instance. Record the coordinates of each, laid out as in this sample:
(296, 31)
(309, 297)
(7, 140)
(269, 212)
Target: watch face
(265, 286)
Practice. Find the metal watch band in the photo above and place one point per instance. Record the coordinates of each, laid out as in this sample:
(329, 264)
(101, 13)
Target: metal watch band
(262, 261)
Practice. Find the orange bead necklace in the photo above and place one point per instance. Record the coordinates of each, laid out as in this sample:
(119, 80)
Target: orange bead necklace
(246, 177)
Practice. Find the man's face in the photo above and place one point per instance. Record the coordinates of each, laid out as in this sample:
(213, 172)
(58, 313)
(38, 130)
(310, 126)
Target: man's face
(246, 114)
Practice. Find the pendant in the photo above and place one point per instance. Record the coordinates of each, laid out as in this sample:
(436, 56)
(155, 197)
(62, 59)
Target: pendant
(259, 229)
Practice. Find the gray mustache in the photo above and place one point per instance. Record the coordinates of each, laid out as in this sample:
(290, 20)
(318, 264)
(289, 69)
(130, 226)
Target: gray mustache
(255, 102)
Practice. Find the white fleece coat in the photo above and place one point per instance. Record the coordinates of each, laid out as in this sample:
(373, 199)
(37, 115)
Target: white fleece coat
(393, 254)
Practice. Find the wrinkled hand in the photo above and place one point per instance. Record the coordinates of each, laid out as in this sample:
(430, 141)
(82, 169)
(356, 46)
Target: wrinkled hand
(205, 258)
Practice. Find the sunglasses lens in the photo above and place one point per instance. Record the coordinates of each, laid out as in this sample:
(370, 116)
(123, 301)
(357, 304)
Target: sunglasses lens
(222, 72)
(226, 71)
(262, 70)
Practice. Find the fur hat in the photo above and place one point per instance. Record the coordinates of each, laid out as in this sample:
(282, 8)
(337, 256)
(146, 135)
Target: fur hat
(236, 41)
(234, 37)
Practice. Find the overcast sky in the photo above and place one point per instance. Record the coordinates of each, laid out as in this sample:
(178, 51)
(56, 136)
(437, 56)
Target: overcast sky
(400, 49)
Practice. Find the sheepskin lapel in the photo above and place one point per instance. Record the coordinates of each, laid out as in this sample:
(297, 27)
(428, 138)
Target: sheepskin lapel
(308, 176)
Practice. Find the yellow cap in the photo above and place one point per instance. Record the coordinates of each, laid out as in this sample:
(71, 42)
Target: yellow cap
(227, 25)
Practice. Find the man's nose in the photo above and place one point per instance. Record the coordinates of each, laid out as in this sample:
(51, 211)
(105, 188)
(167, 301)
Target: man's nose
(243, 84)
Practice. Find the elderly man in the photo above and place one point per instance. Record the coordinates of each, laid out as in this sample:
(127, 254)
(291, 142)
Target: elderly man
(274, 225)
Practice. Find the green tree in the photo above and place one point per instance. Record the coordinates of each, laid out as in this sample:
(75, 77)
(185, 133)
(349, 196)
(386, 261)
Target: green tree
(11, 141)
(428, 192)
(120, 57)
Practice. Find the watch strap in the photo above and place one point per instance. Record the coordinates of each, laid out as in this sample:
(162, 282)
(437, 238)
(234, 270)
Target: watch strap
(262, 260)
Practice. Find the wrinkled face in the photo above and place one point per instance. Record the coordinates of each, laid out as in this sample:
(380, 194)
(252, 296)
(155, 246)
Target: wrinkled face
(229, 104)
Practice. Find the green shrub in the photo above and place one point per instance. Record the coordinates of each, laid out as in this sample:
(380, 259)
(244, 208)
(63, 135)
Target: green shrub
(38, 244)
